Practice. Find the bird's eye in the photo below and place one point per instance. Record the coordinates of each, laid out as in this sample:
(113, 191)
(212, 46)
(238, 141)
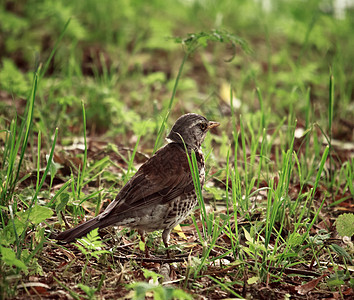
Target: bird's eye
(203, 126)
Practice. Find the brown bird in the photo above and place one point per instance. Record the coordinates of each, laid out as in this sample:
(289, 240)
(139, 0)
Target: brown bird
(161, 194)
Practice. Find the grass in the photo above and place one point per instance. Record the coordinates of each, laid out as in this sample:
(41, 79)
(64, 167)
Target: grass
(277, 201)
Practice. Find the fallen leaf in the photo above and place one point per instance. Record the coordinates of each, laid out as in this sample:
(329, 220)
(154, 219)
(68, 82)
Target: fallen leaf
(307, 287)
(180, 232)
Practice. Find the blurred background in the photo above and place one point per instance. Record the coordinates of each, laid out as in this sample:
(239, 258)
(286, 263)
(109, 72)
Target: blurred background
(122, 59)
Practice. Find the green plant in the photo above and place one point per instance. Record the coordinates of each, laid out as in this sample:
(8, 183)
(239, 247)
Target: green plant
(143, 289)
(345, 225)
(192, 43)
(90, 246)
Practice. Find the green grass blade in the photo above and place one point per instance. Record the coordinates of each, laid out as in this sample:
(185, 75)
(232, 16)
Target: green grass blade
(84, 164)
(46, 65)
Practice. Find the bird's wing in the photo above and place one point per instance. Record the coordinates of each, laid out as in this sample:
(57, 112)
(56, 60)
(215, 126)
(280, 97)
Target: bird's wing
(161, 179)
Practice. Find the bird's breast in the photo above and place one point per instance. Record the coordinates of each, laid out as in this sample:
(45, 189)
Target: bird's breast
(201, 166)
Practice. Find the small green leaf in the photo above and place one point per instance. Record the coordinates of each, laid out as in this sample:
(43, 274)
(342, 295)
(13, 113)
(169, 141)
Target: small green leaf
(252, 280)
(38, 214)
(88, 290)
(8, 235)
(155, 277)
(295, 239)
(335, 282)
(194, 40)
(340, 251)
(8, 256)
(218, 193)
(345, 225)
(91, 244)
(141, 246)
(64, 199)
(54, 167)
(247, 235)
(351, 281)
(181, 294)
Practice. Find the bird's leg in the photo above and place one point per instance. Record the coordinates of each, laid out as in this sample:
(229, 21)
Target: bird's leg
(166, 238)
(142, 237)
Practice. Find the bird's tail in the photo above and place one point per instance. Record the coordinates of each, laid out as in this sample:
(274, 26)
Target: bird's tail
(71, 234)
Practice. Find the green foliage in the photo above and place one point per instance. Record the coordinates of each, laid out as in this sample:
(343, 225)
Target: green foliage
(16, 143)
(218, 194)
(8, 256)
(193, 42)
(13, 80)
(202, 39)
(160, 292)
(154, 276)
(90, 292)
(341, 252)
(142, 289)
(320, 237)
(91, 245)
(36, 215)
(345, 225)
(61, 204)
(17, 225)
(338, 279)
(56, 15)
(11, 23)
(255, 247)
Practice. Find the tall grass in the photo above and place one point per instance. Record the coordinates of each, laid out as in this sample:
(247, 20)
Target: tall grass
(16, 141)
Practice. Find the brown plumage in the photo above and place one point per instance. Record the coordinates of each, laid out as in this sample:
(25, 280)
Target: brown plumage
(161, 194)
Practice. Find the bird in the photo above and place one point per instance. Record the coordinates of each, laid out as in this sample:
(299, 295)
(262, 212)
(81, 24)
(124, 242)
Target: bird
(161, 194)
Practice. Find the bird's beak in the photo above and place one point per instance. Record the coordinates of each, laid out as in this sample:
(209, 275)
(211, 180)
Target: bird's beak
(213, 124)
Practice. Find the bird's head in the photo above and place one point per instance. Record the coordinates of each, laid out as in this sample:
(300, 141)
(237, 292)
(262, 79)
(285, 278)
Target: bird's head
(192, 128)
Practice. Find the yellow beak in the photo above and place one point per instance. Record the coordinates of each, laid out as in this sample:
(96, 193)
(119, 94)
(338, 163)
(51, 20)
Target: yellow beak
(213, 124)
